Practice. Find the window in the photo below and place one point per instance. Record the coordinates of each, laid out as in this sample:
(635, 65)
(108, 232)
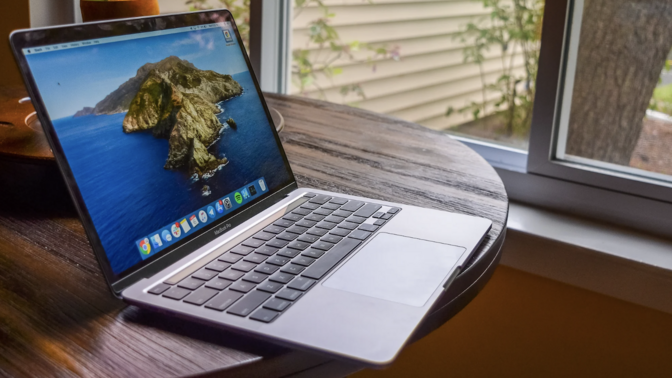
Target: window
(608, 127)
(554, 173)
(464, 67)
(615, 104)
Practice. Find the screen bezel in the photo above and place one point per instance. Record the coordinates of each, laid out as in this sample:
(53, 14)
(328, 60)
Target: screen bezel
(78, 32)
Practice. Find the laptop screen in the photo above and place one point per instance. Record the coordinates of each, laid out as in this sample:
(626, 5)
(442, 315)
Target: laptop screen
(164, 132)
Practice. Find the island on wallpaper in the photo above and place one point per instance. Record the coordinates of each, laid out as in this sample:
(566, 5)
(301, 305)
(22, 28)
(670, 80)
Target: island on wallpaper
(178, 102)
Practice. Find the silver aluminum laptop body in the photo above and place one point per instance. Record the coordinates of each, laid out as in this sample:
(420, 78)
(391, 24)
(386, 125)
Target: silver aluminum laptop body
(363, 307)
(354, 312)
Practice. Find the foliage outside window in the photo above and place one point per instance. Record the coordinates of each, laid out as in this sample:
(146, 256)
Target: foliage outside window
(513, 27)
(305, 68)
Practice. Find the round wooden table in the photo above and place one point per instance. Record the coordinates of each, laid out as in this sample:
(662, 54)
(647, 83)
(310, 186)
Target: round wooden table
(57, 316)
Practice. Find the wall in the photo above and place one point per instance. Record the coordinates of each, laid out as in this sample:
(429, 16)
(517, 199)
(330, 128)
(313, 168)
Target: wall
(13, 15)
(522, 325)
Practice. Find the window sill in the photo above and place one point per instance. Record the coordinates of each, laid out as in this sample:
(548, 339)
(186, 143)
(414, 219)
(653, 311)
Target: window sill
(611, 260)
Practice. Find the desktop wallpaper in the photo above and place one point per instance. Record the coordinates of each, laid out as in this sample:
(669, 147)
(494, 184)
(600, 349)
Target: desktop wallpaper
(155, 128)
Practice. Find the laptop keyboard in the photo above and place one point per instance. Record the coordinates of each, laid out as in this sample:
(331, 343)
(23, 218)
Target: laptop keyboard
(262, 276)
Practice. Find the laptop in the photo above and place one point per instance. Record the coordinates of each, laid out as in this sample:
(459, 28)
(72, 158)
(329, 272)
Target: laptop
(169, 152)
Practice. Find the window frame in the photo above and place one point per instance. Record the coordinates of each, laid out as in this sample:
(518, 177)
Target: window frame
(542, 158)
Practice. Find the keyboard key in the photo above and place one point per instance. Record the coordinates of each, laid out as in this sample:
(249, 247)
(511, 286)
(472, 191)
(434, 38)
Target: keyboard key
(303, 260)
(266, 250)
(277, 243)
(352, 205)
(266, 268)
(368, 227)
(306, 223)
(314, 253)
(379, 222)
(301, 283)
(331, 238)
(277, 304)
(231, 275)
(281, 277)
(201, 296)
(302, 212)
(292, 269)
(230, 258)
(354, 219)
(287, 236)
(218, 284)
(278, 260)
(330, 259)
(274, 229)
(309, 238)
(158, 289)
(176, 293)
(297, 229)
(394, 210)
(289, 294)
(315, 217)
(205, 274)
(322, 211)
(339, 201)
(330, 206)
(217, 266)
(326, 225)
(359, 234)
(263, 235)
(253, 243)
(243, 266)
(368, 210)
(309, 195)
(386, 216)
(256, 258)
(298, 245)
(341, 213)
(378, 214)
(310, 206)
(348, 225)
(223, 300)
(270, 286)
(191, 283)
(246, 305)
(242, 250)
(320, 199)
(242, 286)
(322, 245)
(317, 231)
(334, 219)
(255, 277)
(340, 232)
(283, 223)
(289, 252)
(264, 315)
(292, 217)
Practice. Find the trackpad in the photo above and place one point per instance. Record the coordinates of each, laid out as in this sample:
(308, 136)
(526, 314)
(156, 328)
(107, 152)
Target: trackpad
(397, 268)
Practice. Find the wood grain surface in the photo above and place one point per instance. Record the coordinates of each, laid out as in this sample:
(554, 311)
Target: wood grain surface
(17, 140)
(57, 317)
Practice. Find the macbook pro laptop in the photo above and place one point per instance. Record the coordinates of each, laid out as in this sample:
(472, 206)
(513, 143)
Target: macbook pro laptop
(168, 149)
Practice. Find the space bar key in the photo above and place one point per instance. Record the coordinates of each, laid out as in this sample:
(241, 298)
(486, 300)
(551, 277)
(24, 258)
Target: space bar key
(331, 258)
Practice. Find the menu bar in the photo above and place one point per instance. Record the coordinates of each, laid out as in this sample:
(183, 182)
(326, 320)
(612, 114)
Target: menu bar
(93, 42)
